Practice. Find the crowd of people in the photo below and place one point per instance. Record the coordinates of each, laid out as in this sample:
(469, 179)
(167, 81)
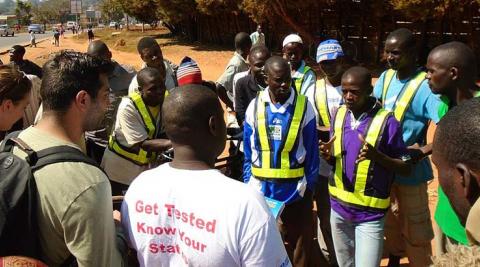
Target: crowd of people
(329, 141)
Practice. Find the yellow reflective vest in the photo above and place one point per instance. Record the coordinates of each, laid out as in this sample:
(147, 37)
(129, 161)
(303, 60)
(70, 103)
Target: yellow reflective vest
(282, 169)
(299, 80)
(406, 96)
(321, 103)
(364, 170)
(140, 156)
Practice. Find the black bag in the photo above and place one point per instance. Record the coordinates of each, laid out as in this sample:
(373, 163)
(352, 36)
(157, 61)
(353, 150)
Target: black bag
(18, 193)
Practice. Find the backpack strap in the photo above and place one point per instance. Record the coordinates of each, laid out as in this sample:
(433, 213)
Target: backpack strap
(59, 154)
(8, 144)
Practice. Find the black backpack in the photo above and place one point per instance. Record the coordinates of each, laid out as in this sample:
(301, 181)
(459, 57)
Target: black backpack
(18, 193)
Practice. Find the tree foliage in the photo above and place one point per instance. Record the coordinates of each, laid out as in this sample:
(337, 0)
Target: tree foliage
(7, 7)
(112, 10)
(23, 11)
(143, 10)
(49, 11)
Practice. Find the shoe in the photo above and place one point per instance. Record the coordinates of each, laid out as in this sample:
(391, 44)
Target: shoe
(393, 261)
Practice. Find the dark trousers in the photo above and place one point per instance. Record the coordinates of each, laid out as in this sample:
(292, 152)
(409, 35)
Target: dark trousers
(297, 230)
(322, 200)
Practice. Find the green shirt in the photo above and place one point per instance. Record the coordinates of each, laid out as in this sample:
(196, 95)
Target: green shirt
(445, 216)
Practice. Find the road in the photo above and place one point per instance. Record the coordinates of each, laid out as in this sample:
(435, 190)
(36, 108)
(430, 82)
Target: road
(20, 38)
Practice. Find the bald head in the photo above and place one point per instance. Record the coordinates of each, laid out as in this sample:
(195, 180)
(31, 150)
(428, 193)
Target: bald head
(147, 74)
(146, 42)
(276, 62)
(403, 36)
(99, 49)
(243, 42)
(187, 116)
(259, 51)
(456, 55)
(360, 76)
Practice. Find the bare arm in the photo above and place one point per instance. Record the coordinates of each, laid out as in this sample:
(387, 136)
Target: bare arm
(156, 145)
(222, 94)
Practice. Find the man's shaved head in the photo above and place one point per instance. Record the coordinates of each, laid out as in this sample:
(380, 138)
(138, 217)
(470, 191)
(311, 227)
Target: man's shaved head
(98, 48)
(360, 74)
(276, 62)
(403, 36)
(457, 55)
(243, 41)
(146, 74)
(188, 112)
(259, 50)
(146, 42)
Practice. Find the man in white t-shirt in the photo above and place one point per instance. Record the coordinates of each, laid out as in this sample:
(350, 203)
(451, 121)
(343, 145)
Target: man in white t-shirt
(186, 213)
(326, 98)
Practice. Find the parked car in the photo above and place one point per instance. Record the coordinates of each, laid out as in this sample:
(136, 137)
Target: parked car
(113, 24)
(101, 25)
(71, 24)
(36, 28)
(5, 30)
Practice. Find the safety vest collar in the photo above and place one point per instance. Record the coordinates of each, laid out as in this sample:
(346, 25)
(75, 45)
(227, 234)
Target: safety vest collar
(265, 97)
(148, 119)
(406, 94)
(360, 192)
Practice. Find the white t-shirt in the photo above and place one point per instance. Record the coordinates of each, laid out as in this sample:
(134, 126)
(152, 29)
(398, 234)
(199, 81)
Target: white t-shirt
(176, 217)
(334, 100)
(128, 130)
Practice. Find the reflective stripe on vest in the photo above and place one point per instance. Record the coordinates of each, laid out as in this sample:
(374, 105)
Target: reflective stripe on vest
(299, 80)
(321, 103)
(267, 170)
(140, 157)
(337, 190)
(403, 101)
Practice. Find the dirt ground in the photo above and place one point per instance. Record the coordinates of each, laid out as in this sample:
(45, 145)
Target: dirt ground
(211, 62)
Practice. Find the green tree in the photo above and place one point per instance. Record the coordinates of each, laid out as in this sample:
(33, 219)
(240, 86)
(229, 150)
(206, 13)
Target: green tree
(7, 7)
(143, 10)
(23, 11)
(112, 10)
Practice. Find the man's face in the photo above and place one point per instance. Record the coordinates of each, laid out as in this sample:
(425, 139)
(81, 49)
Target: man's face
(153, 57)
(257, 62)
(453, 184)
(15, 55)
(279, 80)
(293, 53)
(96, 113)
(355, 93)
(332, 68)
(259, 29)
(396, 54)
(153, 90)
(439, 76)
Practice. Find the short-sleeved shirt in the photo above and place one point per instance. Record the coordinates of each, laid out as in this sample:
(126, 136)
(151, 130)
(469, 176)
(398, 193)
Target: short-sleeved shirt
(74, 208)
(236, 64)
(334, 100)
(423, 109)
(129, 130)
(170, 78)
(309, 79)
(178, 217)
(257, 38)
(246, 89)
(391, 144)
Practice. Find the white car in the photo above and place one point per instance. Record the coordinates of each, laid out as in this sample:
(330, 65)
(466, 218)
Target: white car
(5, 30)
(71, 24)
(112, 24)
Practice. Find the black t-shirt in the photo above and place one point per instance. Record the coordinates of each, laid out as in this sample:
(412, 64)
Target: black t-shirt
(29, 67)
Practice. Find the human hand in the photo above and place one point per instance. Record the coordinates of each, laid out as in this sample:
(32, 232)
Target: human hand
(117, 216)
(416, 152)
(326, 148)
(367, 151)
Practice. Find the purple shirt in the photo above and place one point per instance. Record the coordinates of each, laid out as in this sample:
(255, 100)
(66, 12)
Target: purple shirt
(391, 144)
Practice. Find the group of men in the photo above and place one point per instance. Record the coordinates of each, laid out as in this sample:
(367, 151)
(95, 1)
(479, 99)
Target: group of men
(358, 151)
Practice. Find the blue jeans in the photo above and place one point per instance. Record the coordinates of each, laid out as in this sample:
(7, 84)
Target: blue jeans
(357, 244)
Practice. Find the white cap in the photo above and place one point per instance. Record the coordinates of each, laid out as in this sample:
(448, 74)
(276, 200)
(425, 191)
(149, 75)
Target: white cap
(292, 38)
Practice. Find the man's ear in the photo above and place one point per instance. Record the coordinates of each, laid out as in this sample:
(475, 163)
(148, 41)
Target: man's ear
(82, 100)
(212, 125)
(469, 181)
(454, 73)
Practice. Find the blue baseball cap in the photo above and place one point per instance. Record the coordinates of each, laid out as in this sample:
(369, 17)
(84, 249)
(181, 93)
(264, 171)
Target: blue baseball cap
(329, 50)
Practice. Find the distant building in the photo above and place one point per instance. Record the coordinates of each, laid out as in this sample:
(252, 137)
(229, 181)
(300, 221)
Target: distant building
(8, 19)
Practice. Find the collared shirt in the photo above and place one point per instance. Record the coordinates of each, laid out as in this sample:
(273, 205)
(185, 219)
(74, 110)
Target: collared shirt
(423, 109)
(236, 64)
(391, 144)
(305, 150)
(246, 90)
(257, 38)
(170, 78)
(309, 79)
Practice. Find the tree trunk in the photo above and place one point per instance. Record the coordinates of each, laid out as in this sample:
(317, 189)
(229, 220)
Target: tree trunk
(280, 11)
